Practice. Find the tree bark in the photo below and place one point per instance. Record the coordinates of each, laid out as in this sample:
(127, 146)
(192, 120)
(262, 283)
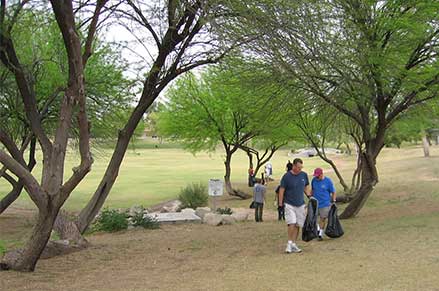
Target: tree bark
(26, 259)
(92, 208)
(426, 148)
(228, 173)
(227, 182)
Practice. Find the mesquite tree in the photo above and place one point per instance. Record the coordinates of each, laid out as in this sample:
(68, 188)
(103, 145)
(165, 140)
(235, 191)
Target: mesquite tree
(369, 60)
(183, 38)
(107, 91)
(52, 191)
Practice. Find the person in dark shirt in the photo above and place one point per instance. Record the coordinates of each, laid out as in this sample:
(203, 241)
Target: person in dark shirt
(281, 206)
(293, 186)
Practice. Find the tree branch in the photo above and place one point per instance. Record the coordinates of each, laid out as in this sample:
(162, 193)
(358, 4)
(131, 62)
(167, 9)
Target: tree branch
(30, 183)
(92, 31)
(146, 24)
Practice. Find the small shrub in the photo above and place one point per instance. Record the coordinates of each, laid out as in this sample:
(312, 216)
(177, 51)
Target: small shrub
(145, 221)
(194, 195)
(111, 220)
(225, 210)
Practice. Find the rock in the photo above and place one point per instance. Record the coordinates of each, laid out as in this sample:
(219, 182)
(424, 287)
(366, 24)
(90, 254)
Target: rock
(212, 219)
(240, 216)
(188, 210)
(175, 217)
(135, 209)
(201, 211)
(228, 219)
(168, 206)
(130, 227)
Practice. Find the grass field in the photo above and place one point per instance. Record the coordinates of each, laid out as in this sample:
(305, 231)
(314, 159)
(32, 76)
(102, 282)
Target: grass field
(392, 245)
(150, 175)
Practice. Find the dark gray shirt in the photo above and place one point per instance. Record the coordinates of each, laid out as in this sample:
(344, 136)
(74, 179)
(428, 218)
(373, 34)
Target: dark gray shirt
(259, 193)
(294, 186)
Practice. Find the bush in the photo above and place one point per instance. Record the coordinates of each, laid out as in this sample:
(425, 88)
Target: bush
(225, 210)
(194, 195)
(111, 220)
(145, 221)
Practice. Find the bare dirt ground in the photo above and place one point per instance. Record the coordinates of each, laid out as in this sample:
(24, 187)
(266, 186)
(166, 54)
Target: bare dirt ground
(396, 250)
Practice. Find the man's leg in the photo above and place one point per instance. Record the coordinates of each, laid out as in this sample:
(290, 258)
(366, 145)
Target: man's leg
(293, 229)
(261, 210)
(322, 223)
(293, 232)
(256, 212)
(323, 214)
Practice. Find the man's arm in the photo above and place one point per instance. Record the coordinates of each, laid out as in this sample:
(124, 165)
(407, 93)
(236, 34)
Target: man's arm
(333, 196)
(308, 190)
(281, 196)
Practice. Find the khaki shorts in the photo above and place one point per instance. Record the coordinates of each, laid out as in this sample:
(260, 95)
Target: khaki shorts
(295, 214)
(323, 212)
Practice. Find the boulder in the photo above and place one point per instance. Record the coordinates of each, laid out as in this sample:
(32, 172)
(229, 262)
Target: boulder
(188, 210)
(228, 219)
(168, 206)
(135, 209)
(212, 219)
(240, 216)
(202, 211)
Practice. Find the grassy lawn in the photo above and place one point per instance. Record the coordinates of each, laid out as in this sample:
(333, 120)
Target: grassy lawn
(151, 175)
(393, 244)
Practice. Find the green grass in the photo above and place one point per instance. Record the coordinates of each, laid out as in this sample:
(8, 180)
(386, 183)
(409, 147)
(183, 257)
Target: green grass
(2, 247)
(151, 175)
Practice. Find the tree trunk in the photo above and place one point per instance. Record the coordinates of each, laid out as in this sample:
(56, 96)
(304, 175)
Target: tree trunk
(425, 145)
(227, 181)
(250, 159)
(369, 178)
(90, 211)
(26, 259)
(68, 230)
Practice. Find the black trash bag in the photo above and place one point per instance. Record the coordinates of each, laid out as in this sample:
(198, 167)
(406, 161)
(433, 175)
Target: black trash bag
(252, 205)
(333, 229)
(310, 231)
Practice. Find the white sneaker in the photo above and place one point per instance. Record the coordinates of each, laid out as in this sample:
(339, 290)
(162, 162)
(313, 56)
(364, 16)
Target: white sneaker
(289, 248)
(292, 248)
(296, 249)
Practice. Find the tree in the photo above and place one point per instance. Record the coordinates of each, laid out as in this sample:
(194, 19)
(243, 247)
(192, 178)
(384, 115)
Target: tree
(369, 60)
(203, 113)
(50, 194)
(322, 126)
(183, 37)
(107, 91)
(274, 136)
(226, 107)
